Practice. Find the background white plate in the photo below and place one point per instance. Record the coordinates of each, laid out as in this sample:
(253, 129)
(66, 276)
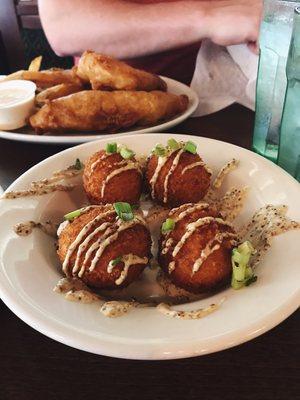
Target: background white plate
(29, 268)
(26, 135)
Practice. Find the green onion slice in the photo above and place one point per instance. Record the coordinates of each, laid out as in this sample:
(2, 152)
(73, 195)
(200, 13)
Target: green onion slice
(173, 144)
(78, 164)
(124, 211)
(242, 274)
(168, 225)
(73, 214)
(251, 280)
(191, 147)
(111, 148)
(159, 150)
(116, 261)
(126, 153)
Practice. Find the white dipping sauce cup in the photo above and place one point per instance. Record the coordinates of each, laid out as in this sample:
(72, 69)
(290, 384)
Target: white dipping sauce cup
(15, 115)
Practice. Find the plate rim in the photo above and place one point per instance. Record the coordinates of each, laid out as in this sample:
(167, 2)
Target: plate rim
(79, 139)
(113, 349)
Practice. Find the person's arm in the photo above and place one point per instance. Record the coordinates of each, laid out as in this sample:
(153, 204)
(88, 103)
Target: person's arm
(127, 29)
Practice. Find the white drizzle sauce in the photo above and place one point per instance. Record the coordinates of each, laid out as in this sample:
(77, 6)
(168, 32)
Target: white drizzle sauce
(128, 166)
(111, 238)
(111, 232)
(183, 206)
(267, 222)
(189, 210)
(231, 204)
(193, 314)
(160, 163)
(128, 260)
(84, 245)
(196, 164)
(98, 161)
(83, 296)
(75, 290)
(230, 166)
(61, 227)
(37, 191)
(107, 233)
(171, 170)
(26, 228)
(168, 244)
(171, 267)
(210, 248)
(114, 309)
(57, 176)
(79, 238)
(193, 226)
(180, 216)
(66, 284)
(47, 185)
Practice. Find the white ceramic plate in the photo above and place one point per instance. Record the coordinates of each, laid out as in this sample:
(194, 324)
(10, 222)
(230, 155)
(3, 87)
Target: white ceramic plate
(29, 268)
(26, 134)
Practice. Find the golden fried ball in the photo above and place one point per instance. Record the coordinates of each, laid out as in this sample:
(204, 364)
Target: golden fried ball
(133, 238)
(108, 178)
(187, 182)
(215, 270)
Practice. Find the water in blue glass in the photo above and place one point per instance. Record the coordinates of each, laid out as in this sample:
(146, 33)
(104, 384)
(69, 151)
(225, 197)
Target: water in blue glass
(275, 35)
(289, 147)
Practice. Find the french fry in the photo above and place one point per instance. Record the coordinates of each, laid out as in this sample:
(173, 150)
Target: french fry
(35, 64)
(14, 75)
(54, 92)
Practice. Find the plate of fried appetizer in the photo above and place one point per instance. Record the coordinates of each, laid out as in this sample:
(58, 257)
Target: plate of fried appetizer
(100, 96)
(142, 249)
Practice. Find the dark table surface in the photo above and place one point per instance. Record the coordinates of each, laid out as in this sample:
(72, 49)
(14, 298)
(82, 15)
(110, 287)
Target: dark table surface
(33, 366)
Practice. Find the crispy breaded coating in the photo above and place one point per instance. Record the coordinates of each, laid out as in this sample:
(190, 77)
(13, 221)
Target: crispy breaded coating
(135, 240)
(94, 110)
(214, 270)
(106, 73)
(108, 178)
(55, 92)
(187, 183)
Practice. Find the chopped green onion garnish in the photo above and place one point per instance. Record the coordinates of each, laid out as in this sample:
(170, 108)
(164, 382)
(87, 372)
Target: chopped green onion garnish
(116, 261)
(111, 148)
(126, 153)
(168, 225)
(159, 150)
(78, 164)
(242, 274)
(251, 280)
(124, 211)
(73, 214)
(173, 144)
(191, 147)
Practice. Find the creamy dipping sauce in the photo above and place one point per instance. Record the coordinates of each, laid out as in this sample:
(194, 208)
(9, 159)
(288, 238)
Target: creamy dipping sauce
(12, 96)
